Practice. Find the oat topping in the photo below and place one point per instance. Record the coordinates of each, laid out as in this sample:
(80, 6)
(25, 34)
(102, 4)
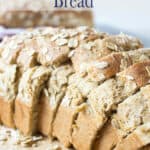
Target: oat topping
(148, 70)
(88, 46)
(134, 111)
(61, 42)
(101, 65)
(71, 54)
(129, 77)
(31, 83)
(72, 43)
(14, 137)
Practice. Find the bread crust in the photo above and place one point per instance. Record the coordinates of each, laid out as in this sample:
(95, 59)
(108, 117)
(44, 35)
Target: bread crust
(113, 66)
(139, 73)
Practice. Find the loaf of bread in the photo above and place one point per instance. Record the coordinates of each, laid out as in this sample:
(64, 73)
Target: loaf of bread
(87, 89)
(29, 13)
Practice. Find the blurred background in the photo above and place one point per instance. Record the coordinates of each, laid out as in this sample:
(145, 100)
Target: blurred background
(128, 16)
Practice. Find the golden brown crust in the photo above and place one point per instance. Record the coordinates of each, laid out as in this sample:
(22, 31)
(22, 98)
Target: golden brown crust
(108, 66)
(99, 68)
(139, 73)
(7, 112)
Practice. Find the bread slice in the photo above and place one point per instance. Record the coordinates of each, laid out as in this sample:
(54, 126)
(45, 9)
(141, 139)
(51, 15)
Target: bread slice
(69, 107)
(26, 104)
(131, 114)
(27, 57)
(103, 100)
(8, 91)
(10, 48)
(52, 96)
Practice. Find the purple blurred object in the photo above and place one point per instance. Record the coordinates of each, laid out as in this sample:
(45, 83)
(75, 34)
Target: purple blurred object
(8, 32)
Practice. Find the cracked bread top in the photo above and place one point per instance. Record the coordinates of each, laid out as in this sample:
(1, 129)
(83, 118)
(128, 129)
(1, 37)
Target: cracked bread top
(54, 46)
(105, 97)
(134, 111)
(31, 84)
(57, 84)
(103, 68)
(78, 87)
(93, 51)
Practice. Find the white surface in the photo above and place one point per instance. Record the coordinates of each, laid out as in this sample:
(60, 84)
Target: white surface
(129, 16)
